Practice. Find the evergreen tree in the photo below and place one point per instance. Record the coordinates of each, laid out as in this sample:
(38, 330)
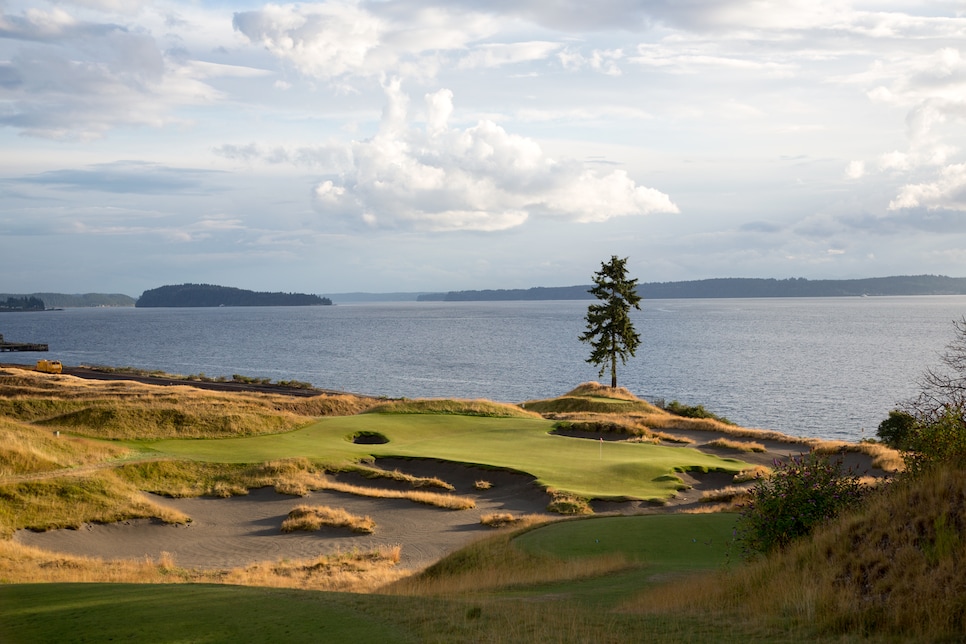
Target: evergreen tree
(609, 330)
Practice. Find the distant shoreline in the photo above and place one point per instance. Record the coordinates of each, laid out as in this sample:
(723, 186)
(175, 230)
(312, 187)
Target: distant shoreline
(902, 285)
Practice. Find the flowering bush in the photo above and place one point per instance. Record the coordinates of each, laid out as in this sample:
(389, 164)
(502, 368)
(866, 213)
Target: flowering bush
(802, 493)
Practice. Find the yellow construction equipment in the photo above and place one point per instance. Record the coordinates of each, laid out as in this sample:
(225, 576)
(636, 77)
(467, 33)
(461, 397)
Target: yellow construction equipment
(50, 366)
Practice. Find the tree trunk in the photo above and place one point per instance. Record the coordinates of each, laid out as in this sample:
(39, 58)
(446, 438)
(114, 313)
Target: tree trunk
(613, 371)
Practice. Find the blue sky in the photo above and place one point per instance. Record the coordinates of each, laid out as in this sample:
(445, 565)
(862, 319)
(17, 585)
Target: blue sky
(426, 145)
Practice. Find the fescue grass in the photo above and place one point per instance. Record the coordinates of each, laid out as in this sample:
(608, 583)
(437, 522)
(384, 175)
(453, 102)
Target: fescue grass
(452, 407)
(314, 517)
(130, 410)
(567, 503)
(372, 472)
(352, 571)
(730, 494)
(101, 497)
(752, 473)
(738, 446)
(176, 478)
(27, 449)
(295, 476)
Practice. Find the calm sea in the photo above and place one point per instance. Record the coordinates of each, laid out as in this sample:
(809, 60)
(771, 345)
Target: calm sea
(823, 367)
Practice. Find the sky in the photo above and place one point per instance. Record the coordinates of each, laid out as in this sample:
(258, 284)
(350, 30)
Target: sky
(436, 145)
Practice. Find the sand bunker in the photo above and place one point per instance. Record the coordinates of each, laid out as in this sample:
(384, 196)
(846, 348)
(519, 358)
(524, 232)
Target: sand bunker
(237, 531)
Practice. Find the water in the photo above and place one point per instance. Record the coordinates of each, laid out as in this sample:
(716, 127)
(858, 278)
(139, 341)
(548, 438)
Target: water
(823, 367)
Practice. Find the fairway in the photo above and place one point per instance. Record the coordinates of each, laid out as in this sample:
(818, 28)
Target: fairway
(593, 469)
(665, 542)
(183, 613)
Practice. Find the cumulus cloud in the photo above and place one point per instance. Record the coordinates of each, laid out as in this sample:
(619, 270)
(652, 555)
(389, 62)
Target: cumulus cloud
(442, 178)
(947, 191)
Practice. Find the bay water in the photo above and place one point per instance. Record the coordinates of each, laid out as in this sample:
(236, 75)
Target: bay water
(820, 367)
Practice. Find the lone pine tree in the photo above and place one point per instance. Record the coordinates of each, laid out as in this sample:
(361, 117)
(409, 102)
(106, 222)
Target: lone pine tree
(609, 329)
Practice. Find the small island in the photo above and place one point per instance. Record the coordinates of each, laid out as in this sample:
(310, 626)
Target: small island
(202, 295)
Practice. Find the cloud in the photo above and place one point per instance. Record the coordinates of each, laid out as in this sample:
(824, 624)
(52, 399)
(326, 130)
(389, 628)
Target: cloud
(353, 39)
(440, 178)
(499, 54)
(855, 170)
(948, 191)
(136, 177)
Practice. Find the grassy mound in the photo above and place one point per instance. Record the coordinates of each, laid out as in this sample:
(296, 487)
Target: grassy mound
(591, 397)
(129, 410)
(27, 449)
(484, 408)
(100, 497)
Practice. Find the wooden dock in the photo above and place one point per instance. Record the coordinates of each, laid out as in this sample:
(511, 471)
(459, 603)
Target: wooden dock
(21, 346)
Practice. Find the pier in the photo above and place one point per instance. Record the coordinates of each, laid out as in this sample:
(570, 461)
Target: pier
(21, 346)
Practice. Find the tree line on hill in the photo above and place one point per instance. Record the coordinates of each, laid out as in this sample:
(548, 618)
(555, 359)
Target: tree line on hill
(66, 301)
(731, 288)
(22, 304)
(207, 295)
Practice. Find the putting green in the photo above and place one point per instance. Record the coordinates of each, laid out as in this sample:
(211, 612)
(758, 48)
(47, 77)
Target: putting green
(588, 468)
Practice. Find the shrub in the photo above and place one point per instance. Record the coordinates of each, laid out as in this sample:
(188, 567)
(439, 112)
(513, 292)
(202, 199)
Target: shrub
(895, 430)
(802, 493)
(942, 440)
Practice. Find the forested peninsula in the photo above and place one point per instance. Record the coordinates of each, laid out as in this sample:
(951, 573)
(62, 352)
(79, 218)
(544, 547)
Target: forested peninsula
(732, 287)
(201, 295)
(65, 300)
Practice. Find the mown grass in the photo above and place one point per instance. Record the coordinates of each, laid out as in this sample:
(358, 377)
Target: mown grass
(581, 467)
(196, 613)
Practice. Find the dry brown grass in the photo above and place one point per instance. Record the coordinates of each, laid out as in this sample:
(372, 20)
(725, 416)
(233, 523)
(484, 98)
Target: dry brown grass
(752, 473)
(174, 478)
(455, 407)
(738, 446)
(883, 457)
(314, 517)
(27, 449)
(730, 494)
(69, 502)
(126, 409)
(372, 472)
(354, 571)
(505, 519)
(567, 503)
(482, 485)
